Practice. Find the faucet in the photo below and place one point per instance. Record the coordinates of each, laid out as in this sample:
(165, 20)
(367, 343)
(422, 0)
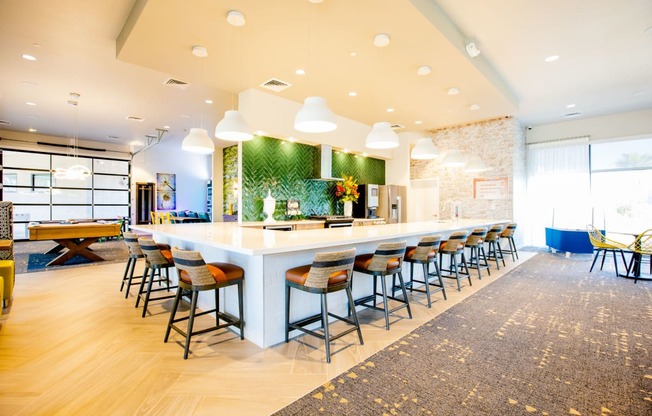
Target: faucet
(454, 207)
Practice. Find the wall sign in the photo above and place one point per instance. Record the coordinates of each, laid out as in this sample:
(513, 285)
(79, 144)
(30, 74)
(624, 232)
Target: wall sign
(496, 188)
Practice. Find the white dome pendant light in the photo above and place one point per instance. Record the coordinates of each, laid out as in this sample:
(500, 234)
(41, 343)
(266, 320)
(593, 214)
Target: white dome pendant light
(382, 136)
(197, 140)
(233, 126)
(424, 149)
(315, 116)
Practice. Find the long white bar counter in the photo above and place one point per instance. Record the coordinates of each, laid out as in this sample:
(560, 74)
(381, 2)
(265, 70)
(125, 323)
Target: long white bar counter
(265, 255)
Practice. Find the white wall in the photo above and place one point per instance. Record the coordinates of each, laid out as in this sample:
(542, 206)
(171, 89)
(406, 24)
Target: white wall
(613, 126)
(192, 170)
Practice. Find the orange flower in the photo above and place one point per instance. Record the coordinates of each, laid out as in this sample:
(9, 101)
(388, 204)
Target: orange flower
(347, 190)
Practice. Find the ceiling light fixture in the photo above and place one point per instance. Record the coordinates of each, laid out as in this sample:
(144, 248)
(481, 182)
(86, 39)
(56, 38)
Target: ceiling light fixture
(353, 94)
(453, 91)
(474, 107)
(570, 106)
(424, 70)
(453, 159)
(475, 164)
(381, 40)
(28, 57)
(233, 126)
(235, 18)
(314, 116)
(424, 149)
(390, 110)
(472, 50)
(197, 140)
(382, 136)
(552, 58)
(76, 171)
(300, 71)
(418, 122)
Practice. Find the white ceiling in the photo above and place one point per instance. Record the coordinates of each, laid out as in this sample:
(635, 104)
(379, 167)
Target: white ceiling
(117, 55)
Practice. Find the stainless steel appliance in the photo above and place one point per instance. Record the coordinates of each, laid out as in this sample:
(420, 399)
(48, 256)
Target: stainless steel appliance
(392, 201)
(334, 221)
(367, 206)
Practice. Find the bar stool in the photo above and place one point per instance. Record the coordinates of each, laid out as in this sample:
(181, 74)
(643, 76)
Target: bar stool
(454, 246)
(477, 256)
(494, 252)
(133, 254)
(196, 276)
(387, 260)
(508, 233)
(425, 253)
(328, 273)
(156, 260)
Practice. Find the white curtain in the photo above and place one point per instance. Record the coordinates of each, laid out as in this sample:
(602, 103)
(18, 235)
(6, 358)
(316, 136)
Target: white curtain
(558, 187)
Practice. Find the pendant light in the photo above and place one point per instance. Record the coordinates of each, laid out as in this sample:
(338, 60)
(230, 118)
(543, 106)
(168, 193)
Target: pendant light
(233, 126)
(453, 159)
(475, 164)
(314, 116)
(424, 149)
(76, 171)
(382, 136)
(197, 140)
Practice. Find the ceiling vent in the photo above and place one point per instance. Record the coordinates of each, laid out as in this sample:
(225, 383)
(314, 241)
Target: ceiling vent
(397, 126)
(4, 123)
(110, 137)
(134, 118)
(176, 83)
(571, 115)
(275, 85)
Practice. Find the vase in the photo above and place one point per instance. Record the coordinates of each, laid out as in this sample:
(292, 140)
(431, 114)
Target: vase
(269, 205)
(348, 208)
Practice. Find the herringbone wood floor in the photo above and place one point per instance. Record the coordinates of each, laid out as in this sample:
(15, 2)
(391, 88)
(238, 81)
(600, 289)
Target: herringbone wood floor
(71, 344)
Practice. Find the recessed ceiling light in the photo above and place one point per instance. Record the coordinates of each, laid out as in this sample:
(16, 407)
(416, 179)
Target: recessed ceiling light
(352, 93)
(135, 143)
(208, 101)
(28, 57)
(300, 71)
(31, 130)
(453, 91)
(235, 18)
(648, 31)
(381, 40)
(29, 83)
(199, 51)
(424, 70)
(315, 1)
(353, 54)
(552, 58)
(418, 122)
(166, 127)
(390, 110)
(570, 106)
(474, 107)
(36, 45)
(30, 103)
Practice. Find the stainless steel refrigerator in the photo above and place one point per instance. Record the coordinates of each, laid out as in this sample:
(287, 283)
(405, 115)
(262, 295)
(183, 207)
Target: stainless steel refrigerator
(392, 203)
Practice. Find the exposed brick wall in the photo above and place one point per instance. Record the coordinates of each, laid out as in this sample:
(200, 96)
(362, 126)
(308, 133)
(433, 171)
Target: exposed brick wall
(500, 144)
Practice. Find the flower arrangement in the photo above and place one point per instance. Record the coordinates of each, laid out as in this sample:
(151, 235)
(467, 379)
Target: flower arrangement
(347, 190)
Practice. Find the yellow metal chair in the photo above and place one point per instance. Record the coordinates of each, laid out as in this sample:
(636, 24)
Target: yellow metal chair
(642, 246)
(602, 244)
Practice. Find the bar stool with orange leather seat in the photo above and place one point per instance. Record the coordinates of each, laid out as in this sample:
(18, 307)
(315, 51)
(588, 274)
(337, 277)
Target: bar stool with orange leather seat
(477, 256)
(508, 233)
(328, 273)
(387, 260)
(195, 276)
(156, 260)
(453, 247)
(425, 253)
(494, 252)
(133, 254)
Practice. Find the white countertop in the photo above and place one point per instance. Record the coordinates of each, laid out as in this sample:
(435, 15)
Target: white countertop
(253, 241)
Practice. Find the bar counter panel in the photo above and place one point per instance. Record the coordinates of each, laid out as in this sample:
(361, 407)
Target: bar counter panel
(265, 255)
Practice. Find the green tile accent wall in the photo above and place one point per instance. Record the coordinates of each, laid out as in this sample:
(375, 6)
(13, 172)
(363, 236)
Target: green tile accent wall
(287, 169)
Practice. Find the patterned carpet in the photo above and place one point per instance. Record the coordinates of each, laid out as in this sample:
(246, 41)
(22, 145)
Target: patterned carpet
(549, 338)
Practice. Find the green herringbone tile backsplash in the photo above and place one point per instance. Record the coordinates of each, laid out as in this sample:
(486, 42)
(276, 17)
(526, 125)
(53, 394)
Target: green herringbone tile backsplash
(286, 169)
